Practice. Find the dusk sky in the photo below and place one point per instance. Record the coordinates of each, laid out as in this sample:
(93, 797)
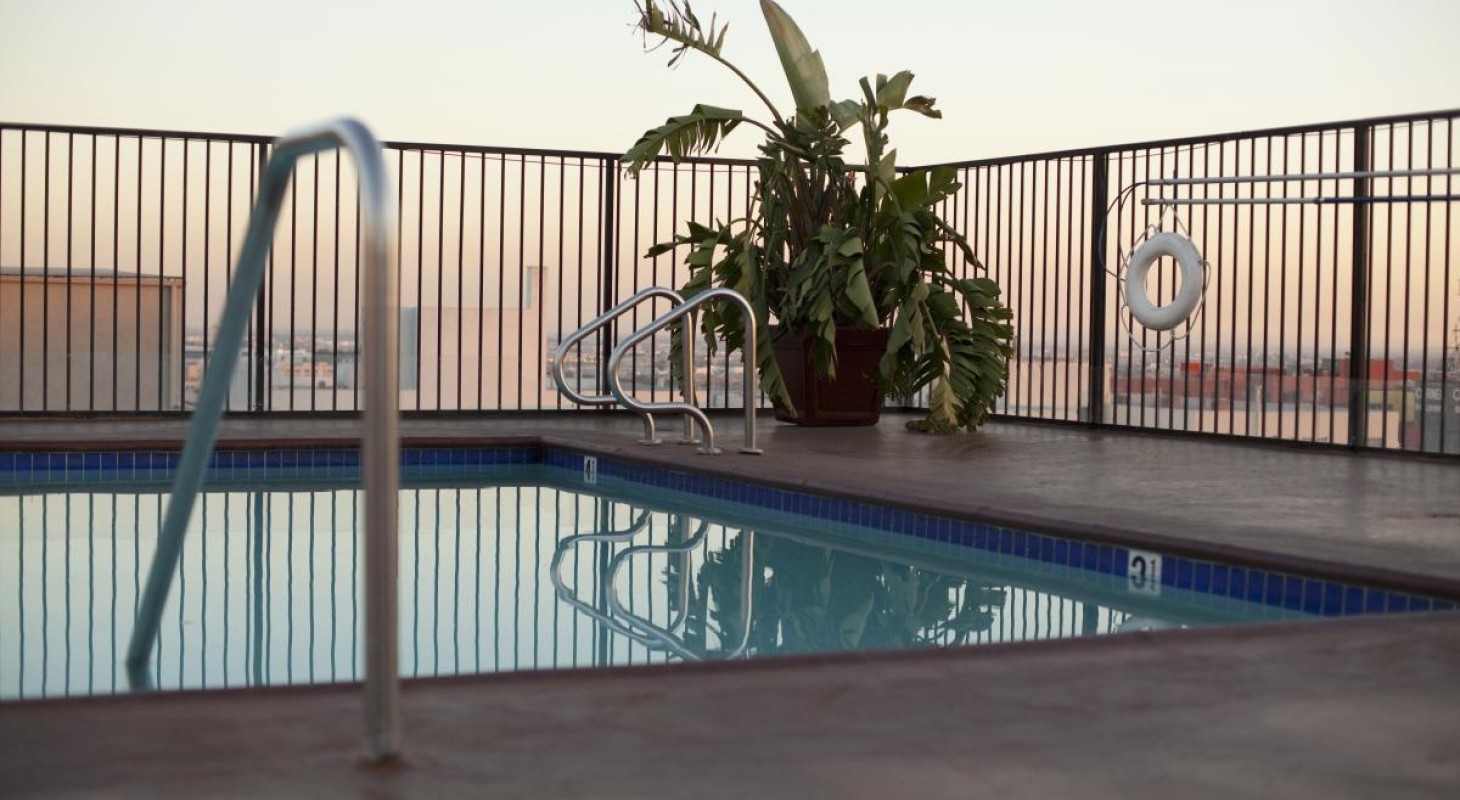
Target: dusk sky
(1011, 77)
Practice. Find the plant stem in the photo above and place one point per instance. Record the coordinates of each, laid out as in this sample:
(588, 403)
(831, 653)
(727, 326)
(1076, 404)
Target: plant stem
(748, 82)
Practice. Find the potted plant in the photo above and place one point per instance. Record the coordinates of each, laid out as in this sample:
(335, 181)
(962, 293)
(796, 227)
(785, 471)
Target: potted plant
(835, 253)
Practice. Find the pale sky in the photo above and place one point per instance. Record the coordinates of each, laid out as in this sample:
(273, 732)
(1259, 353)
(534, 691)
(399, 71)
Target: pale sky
(1011, 77)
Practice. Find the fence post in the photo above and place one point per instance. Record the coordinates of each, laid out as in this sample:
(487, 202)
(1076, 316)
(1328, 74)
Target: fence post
(1099, 201)
(608, 272)
(1358, 372)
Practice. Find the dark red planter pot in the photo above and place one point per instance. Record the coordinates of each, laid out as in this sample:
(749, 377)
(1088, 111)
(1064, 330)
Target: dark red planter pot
(852, 397)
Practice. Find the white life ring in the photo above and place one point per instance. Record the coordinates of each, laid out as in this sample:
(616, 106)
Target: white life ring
(1164, 318)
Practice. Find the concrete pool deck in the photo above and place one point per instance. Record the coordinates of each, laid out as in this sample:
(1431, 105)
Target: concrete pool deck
(1357, 707)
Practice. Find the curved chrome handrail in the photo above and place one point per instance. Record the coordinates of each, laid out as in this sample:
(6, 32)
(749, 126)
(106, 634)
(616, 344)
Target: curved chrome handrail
(380, 443)
(748, 360)
(650, 437)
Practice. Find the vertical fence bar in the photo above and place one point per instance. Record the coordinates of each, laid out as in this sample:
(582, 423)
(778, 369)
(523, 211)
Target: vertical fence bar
(1123, 382)
(501, 272)
(1282, 304)
(313, 298)
(261, 309)
(440, 275)
(1445, 342)
(1000, 253)
(46, 277)
(635, 248)
(70, 263)
(1391, 160)
(137, 290)
(227, 259)
(420, 321)
(182, 332)
(161, 273)
(24, 165)
(608, 270)
(521, 274)
(1358, 398)
(460, 279)
(91, 305)
(1099, 200)
(1424, 366)
(1078, 303)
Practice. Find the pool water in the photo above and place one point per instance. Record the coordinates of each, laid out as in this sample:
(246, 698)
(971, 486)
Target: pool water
(509, 568)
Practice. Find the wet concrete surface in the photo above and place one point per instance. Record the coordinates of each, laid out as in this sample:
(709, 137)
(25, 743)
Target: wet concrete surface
(1349, 708)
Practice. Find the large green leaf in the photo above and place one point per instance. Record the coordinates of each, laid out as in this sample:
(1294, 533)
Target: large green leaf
(891, 95)
(942, 183)
(859, 294)
(687, 135)
(911, 190)
(805, 71)
(892, 92)
(683, 28)
(923, 105)
(846, 113)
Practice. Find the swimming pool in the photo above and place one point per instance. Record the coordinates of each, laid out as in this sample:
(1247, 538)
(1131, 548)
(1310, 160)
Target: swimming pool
(540, 558)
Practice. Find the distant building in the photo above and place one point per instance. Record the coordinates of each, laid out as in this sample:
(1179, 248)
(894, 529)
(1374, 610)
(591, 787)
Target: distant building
(1437, 427)
(451, 356)
(89, 341)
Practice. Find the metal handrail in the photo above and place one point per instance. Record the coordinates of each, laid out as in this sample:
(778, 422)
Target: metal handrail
(1307, 176)
(650, 436)
(748, 361)
(1304, 177)
(380, 445)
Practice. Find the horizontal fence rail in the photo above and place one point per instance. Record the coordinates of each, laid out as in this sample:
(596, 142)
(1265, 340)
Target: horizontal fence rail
(1322, 322)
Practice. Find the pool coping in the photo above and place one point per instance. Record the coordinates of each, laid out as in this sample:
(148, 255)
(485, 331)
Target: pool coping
(1263, 710)
(657, 671)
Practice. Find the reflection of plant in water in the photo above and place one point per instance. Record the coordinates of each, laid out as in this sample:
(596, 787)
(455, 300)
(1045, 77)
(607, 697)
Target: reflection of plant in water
(675, 575)
(818, 599)
(718, 588)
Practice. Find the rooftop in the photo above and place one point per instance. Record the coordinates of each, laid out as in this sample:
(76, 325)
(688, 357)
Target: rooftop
(1334, 708)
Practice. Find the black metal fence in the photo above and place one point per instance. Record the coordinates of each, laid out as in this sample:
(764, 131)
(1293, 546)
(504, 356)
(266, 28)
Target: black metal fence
(1331, 305)
(1330, 313)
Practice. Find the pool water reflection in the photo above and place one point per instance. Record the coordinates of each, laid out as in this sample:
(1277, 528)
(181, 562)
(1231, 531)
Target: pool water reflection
(526, 573)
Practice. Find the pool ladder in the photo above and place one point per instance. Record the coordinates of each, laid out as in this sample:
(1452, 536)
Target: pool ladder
(380, 443)
(681, 311)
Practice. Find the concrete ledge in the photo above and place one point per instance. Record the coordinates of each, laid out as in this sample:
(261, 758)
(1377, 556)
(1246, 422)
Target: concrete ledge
(1349, 708)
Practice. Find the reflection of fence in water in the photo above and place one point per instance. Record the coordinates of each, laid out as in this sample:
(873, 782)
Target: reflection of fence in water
(266, 591)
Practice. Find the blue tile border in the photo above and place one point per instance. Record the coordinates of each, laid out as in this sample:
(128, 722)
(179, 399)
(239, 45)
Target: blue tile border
(27, 469)
(1213, 579)
(20, 469)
